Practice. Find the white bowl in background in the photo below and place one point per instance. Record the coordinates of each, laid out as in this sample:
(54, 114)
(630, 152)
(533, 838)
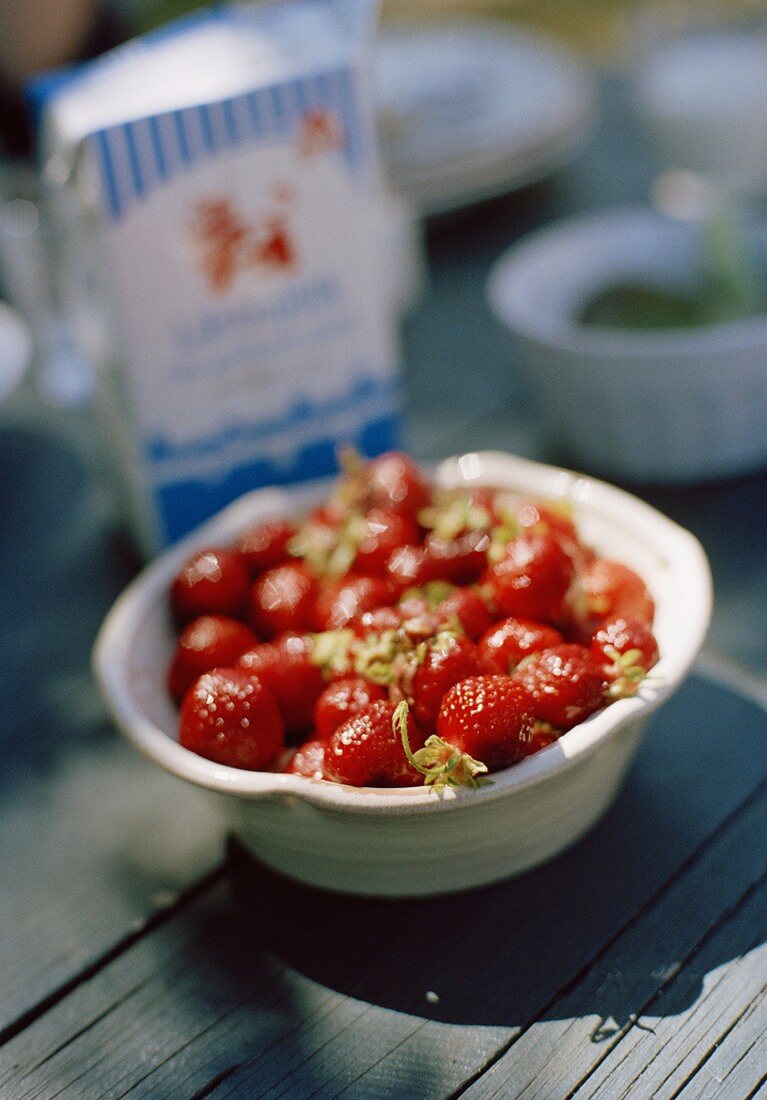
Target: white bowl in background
(419, 841)
(703, 98)
(669, 406)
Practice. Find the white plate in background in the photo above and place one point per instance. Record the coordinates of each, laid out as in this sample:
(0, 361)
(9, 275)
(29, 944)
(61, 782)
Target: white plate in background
(475, 108)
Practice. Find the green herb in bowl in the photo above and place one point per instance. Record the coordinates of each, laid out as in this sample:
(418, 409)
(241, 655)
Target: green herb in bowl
(728, 288)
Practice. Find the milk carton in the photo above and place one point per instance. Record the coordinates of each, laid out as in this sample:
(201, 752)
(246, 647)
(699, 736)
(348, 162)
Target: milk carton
(217, 185)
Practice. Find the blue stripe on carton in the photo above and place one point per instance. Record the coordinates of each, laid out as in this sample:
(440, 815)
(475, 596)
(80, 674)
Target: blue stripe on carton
(183, 505)
(180, 131)
(160, 450)
(134, 163)
(108, 178)
(157, 146)
(230, 120)
(131, 168)
(203, 113)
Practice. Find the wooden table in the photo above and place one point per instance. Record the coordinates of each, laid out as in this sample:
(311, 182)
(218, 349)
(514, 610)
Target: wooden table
(139, 956)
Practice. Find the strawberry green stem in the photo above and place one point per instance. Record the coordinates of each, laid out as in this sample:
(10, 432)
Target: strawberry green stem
(399, 723)
(440, 763)
(627, 671)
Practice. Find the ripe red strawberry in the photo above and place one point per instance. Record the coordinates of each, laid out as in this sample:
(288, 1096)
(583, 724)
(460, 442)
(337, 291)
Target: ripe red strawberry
(210, 641)
(532, 579)
(460, 560)
(212, 582)
(629, 650)
(543, 736)
(446, 661)
(342, 600)
(468, 607)
(381, 532)
(265, 545)
(534, 515)
(510, 640)
(367, 752)
(622, 635)
(283, 599)
(394, 481)
(453, 512)
(485, 499)
(308, 760)
(320, 545)
(375, 621)
(410, 567)
(412, 604)
(342, 699)
(330, 514)
(489, 718)
(417, 619)
(413, 616)
(612, 589)
(566, 683)
(230, 717)
(285, 667)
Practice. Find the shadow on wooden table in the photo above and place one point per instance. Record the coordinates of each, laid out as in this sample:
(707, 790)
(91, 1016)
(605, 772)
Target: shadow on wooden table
(63, 560)
(615, 916)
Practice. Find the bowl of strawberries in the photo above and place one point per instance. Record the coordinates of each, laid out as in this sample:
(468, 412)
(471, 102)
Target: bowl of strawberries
(409, 683)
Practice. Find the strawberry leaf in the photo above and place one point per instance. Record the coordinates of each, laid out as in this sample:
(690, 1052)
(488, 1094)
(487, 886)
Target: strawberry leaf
(331, 650)
(440, 763)
(625, 672)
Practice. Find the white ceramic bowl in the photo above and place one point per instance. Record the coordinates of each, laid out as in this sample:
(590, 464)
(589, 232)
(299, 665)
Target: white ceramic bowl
(667, 406)
(419, 841)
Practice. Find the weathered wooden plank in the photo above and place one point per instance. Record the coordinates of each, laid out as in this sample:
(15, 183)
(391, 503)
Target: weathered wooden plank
(437, 1062)
(94, 839)
(93, 844)
(702, 1025)
(584, 1026)
(288, 989)
(266, 1012)
(738, 1067)
(165, 986)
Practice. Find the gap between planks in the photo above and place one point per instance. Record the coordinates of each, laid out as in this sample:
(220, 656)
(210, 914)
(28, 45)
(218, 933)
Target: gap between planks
(161, 916)
(649, 904)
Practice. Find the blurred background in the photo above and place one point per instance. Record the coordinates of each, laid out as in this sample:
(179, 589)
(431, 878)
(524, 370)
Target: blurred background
(572, 244)
(570, 263)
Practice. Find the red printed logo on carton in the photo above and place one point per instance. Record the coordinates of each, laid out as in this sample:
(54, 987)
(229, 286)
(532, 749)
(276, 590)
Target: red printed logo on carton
(229, 245)
(320, 132)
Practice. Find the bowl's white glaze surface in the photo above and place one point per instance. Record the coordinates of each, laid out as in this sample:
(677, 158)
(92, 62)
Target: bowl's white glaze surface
(668, 405)
(418, 841)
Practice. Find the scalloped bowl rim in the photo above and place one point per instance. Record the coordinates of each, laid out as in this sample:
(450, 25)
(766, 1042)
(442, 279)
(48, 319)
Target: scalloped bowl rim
(609, 228)
(140, 600)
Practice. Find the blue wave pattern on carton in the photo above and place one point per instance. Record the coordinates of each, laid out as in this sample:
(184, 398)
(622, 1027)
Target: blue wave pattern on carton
(184, 504)
(161, 450)
(305, 447)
